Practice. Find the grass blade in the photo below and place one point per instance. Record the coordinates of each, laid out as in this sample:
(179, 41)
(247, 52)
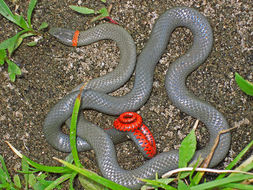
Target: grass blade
(73, 124)
(30, 10)
(89, 184)
(73, 129)
(238, 186)
(221, 182)
(156, 183)
(58, 181)
(51, 169)
(236, 160)
(6, 12)
(93, 176)
(4, 170)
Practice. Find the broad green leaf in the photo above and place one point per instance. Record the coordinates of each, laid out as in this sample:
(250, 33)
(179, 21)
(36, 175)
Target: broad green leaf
(13, 70)
(244, 85)
(187, 149)
(11, 41)
(6, 12)
(2, 56)
(83, 10)
(31, 180)
(104, 1)
(43, 25)
(30, 10)
(16, 180)
(1, 61)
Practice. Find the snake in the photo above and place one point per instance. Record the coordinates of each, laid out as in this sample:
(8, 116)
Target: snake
(95, 95)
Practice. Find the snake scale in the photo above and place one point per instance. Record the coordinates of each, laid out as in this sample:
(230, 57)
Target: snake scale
(95, 96)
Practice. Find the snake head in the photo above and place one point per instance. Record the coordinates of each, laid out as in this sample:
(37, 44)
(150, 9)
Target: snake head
(63, 35)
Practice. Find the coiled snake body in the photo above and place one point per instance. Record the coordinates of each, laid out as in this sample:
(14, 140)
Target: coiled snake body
(95, 97)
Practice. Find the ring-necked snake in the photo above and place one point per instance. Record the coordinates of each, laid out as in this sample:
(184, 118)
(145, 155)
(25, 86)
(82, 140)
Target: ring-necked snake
(95, 96)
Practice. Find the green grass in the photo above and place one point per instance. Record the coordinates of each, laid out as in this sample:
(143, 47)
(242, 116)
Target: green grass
(101, 13)
(35, 174)
(8, 46)
(190, 180)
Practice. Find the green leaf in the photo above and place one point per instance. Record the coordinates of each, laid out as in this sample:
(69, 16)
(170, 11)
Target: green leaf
(1, 61)
(104, 1)
(6, 12)
(238, 186)
(21, 21)
(43, 25)
(58, 181)
(33, 43)
(90, 184)
(99, 17)
(30, 10)
(11, 41)
(221, 182)
(20, 39)
(182, 185)
(82, 10)
(237, 159)
(73, 124)
(31, 180)
(93, 176)
(13, 70)
(2, 56)
(157, 183)
(4, 169)
(104, 12)
(187, 149)
(16, 180)
(244, 85)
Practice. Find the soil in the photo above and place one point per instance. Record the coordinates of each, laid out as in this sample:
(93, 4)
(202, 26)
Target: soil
(50, 70)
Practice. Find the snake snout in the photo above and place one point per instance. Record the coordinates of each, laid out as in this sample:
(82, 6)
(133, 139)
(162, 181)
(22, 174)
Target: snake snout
(63, 35)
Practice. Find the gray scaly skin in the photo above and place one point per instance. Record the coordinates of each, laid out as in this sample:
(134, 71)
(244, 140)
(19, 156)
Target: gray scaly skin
(96, 98)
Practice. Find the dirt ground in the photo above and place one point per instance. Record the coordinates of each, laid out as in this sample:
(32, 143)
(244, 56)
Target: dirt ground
(51, 70)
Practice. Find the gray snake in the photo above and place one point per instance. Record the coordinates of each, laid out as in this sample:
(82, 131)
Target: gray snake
(95, 94)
